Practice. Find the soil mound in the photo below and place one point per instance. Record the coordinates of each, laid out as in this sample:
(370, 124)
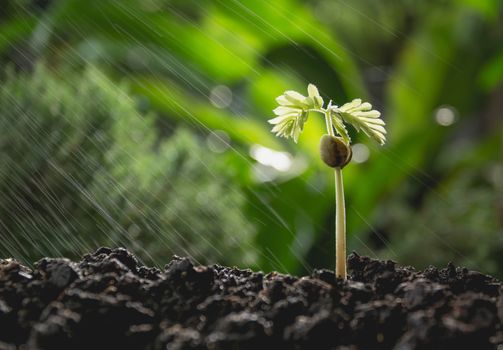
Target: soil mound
(110, 301)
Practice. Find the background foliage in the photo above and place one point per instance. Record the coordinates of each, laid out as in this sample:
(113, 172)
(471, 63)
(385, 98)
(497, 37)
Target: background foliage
(206, 74)
(77, 175)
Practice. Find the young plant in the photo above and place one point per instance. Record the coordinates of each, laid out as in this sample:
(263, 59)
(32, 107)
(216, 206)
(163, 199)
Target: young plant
(335, 150)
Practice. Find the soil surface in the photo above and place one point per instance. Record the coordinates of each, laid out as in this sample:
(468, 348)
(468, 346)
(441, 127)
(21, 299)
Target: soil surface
(110, 301)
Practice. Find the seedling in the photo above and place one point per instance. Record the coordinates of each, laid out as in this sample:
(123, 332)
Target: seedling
(335, 150)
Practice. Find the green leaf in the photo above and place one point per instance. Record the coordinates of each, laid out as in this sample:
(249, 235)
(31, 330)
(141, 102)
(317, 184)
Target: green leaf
(363, 118)
(313, 93)
(339, 126)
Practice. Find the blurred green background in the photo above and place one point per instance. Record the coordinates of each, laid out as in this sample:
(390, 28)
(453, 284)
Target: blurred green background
(144, 124)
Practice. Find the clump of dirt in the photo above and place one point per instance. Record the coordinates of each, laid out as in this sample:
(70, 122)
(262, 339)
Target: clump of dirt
(110, 301)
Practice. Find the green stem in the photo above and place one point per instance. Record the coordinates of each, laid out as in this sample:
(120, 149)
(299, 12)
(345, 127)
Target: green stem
(340, 226)
(330, 129)
(319, 110)
(340, 215)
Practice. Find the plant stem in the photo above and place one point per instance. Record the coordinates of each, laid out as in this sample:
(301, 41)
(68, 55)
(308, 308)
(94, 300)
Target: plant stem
(340, 215)
(319, 110)
(330, 129)
(340, 226)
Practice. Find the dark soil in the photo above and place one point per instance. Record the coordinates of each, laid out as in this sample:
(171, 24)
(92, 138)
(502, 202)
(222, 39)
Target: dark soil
(110, 301)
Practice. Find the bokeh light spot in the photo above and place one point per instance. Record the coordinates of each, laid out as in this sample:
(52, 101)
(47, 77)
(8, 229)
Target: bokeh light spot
(281, 161)
(361, 153)
(445, 116)
(221, 96)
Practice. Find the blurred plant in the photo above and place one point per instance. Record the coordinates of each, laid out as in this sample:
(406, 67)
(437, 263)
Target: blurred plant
(82, 168)
(335, 151)
(461, 221)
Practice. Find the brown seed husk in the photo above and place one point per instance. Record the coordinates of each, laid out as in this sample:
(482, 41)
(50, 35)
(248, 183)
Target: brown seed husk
(334, 151)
